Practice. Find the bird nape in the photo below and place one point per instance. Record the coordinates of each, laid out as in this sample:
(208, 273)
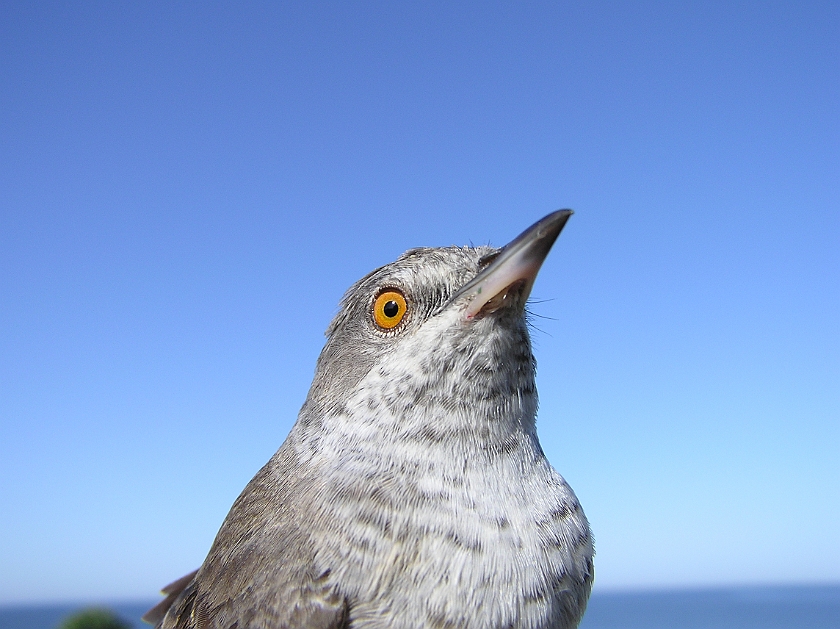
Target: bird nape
(412, 491)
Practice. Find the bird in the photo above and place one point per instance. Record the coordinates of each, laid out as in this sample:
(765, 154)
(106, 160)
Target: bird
(412, 491)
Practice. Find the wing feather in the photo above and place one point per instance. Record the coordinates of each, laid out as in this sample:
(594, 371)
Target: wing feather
(261, 569)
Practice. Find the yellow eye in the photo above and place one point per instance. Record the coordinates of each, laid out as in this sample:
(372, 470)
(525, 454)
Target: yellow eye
(389, 309)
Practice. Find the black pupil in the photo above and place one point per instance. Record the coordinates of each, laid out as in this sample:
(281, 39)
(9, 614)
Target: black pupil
(391, 309)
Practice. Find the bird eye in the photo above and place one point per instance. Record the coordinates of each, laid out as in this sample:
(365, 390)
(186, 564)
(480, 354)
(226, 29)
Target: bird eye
(389, 309)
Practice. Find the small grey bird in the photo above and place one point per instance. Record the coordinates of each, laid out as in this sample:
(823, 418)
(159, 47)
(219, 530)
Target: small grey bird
(412, 492)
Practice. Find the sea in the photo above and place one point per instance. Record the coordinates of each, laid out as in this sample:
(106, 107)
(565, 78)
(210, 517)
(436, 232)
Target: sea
(794, 607)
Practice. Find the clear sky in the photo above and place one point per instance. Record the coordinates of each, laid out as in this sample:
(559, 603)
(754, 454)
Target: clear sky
(186, 190)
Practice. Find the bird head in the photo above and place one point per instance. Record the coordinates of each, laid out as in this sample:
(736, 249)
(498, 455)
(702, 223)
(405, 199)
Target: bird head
(436, 342)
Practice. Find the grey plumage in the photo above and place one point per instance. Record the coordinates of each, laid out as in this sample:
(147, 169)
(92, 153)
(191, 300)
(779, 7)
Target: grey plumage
(412, 491)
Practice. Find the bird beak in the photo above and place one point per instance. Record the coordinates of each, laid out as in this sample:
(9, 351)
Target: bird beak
(513, 268)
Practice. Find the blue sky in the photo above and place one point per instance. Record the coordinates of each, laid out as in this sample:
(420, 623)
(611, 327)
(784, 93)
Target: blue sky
(186, 190)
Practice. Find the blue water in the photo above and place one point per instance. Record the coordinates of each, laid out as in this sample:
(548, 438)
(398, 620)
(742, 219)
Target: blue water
(51, 616)
(813, 607)
(733, 608)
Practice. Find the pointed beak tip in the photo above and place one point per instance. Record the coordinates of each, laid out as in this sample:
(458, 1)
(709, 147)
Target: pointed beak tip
(518, 262)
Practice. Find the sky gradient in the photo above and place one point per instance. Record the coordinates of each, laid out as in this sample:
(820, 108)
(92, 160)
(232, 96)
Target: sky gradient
(186, 190)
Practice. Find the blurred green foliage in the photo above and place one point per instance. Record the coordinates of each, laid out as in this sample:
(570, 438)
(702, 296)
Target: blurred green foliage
(95, 618)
